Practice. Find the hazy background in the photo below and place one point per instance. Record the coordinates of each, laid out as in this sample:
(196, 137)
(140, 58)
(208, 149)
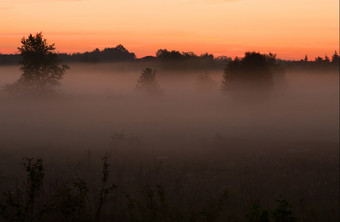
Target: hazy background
(100, 99)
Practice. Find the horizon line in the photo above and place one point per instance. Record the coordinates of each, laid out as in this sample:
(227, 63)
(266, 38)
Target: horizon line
(70, 53)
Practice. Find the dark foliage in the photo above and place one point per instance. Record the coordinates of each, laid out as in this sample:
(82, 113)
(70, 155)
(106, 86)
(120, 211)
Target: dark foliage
(41, 70)
(114, 54)
(258, 214)
(254, 72)
(186, 60)
(282, 213)
(147, 81)
(9, 59)
(335, 58)
(319, 63)
(104, 191)
(254, 67)
(24, 205)
(175, 60)
(69, 202)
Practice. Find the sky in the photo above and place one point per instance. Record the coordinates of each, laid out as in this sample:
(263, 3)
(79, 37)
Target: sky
(289, 28)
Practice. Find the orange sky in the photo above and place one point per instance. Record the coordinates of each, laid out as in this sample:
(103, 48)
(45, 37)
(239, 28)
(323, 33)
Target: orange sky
(290, 28)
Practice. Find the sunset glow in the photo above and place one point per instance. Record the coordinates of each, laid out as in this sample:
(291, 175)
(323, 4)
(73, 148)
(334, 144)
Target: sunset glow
(289, 28)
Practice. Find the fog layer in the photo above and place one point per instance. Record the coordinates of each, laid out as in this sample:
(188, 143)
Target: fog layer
(100, 99)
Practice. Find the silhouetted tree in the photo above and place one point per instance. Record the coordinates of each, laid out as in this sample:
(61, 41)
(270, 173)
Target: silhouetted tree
(207, 56)
(335, 58)
(254, 70)
(147, 81)
(186, 60)
(110, 54)
(119, 53)
(305, 59)
(40, 63)
(327, 59)
(168, 55)
(318, 60)
(41, 70)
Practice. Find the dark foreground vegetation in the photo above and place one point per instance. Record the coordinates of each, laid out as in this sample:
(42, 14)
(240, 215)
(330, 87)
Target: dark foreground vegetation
(126, 185)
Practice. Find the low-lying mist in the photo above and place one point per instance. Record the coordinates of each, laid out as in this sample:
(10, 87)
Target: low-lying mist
(97, 100)
(99, 110)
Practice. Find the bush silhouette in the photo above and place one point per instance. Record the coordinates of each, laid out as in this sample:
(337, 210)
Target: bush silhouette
(254, 72)
(175, 60)
(147, 81)
(258, 214)
(335, 58)
(254, 67)
(23, 205)
(283, 211)
(41, 70)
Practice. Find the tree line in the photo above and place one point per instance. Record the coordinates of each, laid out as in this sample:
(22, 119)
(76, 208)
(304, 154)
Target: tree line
(168, 59)
(42, 71)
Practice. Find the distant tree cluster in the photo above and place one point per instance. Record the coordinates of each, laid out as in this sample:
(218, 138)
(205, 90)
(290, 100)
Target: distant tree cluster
(9, 59)
(319, 63)
(327, 60)
(187, 60)
(254, 73)
(253, 67)
(113, 54)
(176, 60)
(116, 54)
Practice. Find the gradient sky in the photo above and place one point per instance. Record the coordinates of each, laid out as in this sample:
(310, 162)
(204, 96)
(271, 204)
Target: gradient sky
(289, 28)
